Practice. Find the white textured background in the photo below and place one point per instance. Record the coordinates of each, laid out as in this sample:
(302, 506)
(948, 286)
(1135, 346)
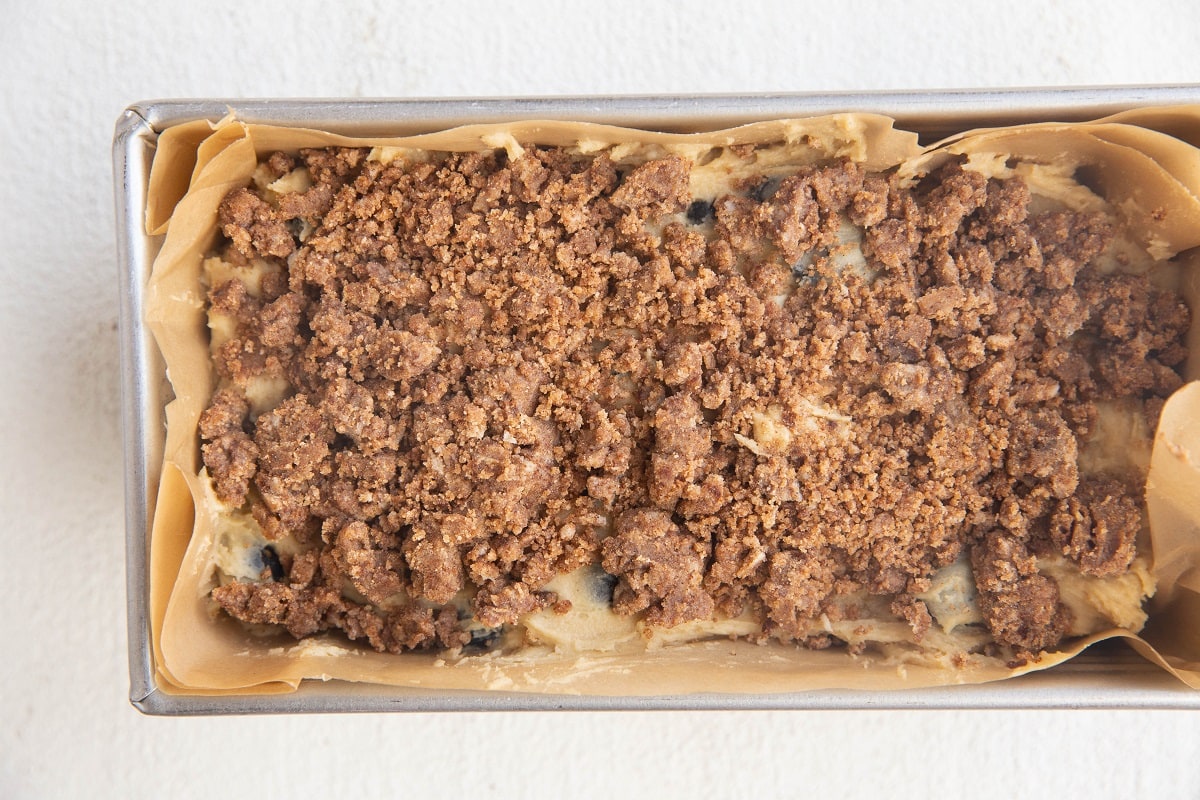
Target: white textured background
(67, 70)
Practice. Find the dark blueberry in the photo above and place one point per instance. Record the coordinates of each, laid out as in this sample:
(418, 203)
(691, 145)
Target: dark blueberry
(805, 270)
(501, 156)
(764, 190)
(483, 639)
(699, 211)
(270, 560)
(295, 227)
(603, 585)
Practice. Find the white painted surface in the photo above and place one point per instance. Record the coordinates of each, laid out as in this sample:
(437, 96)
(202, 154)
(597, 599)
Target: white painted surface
(66, 71)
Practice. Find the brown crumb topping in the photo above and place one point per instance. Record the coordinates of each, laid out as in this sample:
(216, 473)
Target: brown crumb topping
(502, 371)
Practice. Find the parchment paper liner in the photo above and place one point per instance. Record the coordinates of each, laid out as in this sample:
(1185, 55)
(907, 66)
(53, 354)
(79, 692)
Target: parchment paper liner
(1134, 161)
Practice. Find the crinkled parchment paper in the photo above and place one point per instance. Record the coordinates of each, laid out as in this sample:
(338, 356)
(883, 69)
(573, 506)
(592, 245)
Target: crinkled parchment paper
(1144, 163)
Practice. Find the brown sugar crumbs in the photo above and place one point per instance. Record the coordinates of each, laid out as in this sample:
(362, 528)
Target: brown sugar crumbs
(503, 370)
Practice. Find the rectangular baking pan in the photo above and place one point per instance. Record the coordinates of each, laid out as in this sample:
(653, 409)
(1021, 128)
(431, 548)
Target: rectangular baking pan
(1107, 676)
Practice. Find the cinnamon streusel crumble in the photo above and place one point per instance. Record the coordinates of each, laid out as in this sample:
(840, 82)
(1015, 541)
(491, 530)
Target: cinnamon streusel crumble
(468, 400)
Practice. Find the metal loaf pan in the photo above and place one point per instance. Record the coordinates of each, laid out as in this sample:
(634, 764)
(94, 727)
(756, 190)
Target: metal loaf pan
(1107, 676)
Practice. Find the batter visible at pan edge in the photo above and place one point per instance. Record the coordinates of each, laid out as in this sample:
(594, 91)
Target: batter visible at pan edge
(476, 402)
